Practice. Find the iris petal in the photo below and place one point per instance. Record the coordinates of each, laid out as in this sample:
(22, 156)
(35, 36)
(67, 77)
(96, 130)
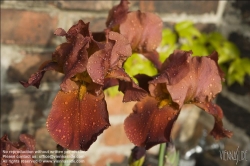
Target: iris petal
(74, 123)
(36, 78)
(149, 125)
(218, 131)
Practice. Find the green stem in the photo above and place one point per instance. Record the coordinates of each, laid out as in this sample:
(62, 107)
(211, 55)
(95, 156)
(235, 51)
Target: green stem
(162, 154)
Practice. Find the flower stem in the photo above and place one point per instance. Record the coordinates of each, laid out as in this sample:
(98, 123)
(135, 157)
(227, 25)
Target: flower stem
(162, 154)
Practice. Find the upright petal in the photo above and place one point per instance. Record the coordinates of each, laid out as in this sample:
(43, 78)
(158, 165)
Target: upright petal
(190, 79)
(98, 65)
(149, 125)
(121, 49)
(75, 123)
(117, 14)
(143, 30)
(76, 61)
(61, 53)
(79, 28)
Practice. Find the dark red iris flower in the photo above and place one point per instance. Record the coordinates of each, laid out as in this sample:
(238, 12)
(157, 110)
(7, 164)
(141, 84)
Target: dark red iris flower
(21, 151)
(92, 62)
(143, 30)
(79, 112)
(183, 80)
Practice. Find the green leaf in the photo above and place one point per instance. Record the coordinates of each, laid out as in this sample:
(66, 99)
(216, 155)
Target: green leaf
(172, 155)
(187, 30)
(197, 48)
(168, 37)
(245, 64)
(237, 71)
(215, 39)
(137, 64)
(227, 52)
(137, 162)
(203, 39)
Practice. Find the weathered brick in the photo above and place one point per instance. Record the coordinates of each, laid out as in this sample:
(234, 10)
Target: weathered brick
(244, 7)
(26, 4)
(115, 135)
(23, 112)
(189, 7)
(96, 24)
(84, 5)
(242, 43)
(29, 65)
(27, 27)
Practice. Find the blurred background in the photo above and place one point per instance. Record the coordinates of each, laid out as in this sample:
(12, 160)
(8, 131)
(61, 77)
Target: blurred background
(27, 40)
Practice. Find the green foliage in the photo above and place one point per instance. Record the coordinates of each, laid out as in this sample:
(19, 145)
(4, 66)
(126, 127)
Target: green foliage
(172, 158)
(137, 162)
(190, 38)
(137, 64)
(186, 30)
(238, 69)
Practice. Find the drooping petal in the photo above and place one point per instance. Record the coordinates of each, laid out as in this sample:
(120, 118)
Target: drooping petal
(109, 82)
(131, 91)
(218, 131)
(149, 125)
(36, 78)
(143, 30)
(117, 14)
(75, 123)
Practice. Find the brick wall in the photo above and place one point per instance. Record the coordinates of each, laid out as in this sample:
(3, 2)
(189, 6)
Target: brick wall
(27, 40)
